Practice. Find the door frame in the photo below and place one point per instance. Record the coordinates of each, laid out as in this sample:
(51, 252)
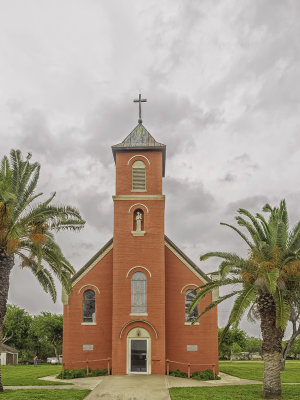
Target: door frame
(148, 359)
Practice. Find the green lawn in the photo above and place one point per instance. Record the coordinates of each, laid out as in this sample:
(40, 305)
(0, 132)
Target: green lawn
(245, 392)
(27, 375)
(47, 394)
(254, 370)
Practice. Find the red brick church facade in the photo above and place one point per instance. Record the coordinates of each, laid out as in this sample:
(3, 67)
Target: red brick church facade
(129, 302)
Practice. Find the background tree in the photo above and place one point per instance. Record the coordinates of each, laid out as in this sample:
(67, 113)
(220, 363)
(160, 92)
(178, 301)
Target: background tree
(295, 321)
(26, 229)
(253, 345)
(41, 334)
(34, 346)
(266, 282)
(49, 330)
(233, 341)
(295, 349)
(17, 323)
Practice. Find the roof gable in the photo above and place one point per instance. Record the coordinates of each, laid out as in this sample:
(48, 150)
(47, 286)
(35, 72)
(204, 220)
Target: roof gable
(92, 262)
(186, 260)
(170, 245)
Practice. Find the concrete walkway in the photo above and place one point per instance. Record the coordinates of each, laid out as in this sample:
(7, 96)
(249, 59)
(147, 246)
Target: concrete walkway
(134, 387)
(131, 387)
(224, 381)
(152, 387)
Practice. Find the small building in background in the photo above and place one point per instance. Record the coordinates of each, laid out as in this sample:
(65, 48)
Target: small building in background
(9, 355)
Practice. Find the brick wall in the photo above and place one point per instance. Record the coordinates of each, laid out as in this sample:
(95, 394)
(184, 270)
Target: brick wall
(179, 335)
(76, 334)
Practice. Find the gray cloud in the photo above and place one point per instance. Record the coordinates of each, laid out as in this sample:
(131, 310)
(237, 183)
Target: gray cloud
(221, 80)
(97, 209)
(252, 204)
(229, 177)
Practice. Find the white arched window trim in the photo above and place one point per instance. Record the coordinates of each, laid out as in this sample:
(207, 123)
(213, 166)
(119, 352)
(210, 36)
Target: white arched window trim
(138, 267)
(138, 155)
(188, 285)
(138, 204)
(87, 286)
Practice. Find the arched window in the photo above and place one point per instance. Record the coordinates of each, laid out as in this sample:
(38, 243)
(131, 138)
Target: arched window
(189, 297)
(89, 306)
(138, 293)
(138, 176)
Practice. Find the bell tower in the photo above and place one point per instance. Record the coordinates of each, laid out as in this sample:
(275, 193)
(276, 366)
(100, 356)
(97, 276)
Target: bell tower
(139, 254)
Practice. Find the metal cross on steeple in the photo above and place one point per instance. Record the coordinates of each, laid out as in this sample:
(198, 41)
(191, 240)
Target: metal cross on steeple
(140, 100)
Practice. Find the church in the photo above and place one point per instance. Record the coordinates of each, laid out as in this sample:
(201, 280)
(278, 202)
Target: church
(129, 307)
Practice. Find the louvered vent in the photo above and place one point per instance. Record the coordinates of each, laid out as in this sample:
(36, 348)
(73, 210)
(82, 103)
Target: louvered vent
(138, 177)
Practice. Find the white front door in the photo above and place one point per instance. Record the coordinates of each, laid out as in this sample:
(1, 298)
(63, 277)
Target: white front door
(138, 353)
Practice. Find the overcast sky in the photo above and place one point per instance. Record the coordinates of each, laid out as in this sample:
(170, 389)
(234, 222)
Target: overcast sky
(222, 83)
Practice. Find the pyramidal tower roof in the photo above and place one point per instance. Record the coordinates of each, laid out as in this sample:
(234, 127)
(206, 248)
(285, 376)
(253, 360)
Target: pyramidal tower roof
(140, 139)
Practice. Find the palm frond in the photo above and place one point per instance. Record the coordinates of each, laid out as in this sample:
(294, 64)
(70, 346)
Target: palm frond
(282, 309)
(270, 279)
(207, 288)
(214, 303)
(227, 256)
(241, 303)
(255, 223)
(26, 227)
(244, 237)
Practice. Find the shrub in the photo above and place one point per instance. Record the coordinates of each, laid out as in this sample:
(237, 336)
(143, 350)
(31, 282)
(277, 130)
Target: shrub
(81, 373)
(98, 372)
(206, 375)
(178, 373)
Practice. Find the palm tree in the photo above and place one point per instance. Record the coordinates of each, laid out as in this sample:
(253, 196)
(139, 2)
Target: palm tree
(26, 229)
(266, 282)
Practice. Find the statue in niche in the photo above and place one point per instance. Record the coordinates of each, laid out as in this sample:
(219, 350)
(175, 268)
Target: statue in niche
(139, 218)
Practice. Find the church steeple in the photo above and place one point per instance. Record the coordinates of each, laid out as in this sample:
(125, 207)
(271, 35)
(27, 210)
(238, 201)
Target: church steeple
(140, 139)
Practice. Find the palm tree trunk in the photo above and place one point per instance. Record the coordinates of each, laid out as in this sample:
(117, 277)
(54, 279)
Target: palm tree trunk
(6, 264)
(271, 347)
(272, 383)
